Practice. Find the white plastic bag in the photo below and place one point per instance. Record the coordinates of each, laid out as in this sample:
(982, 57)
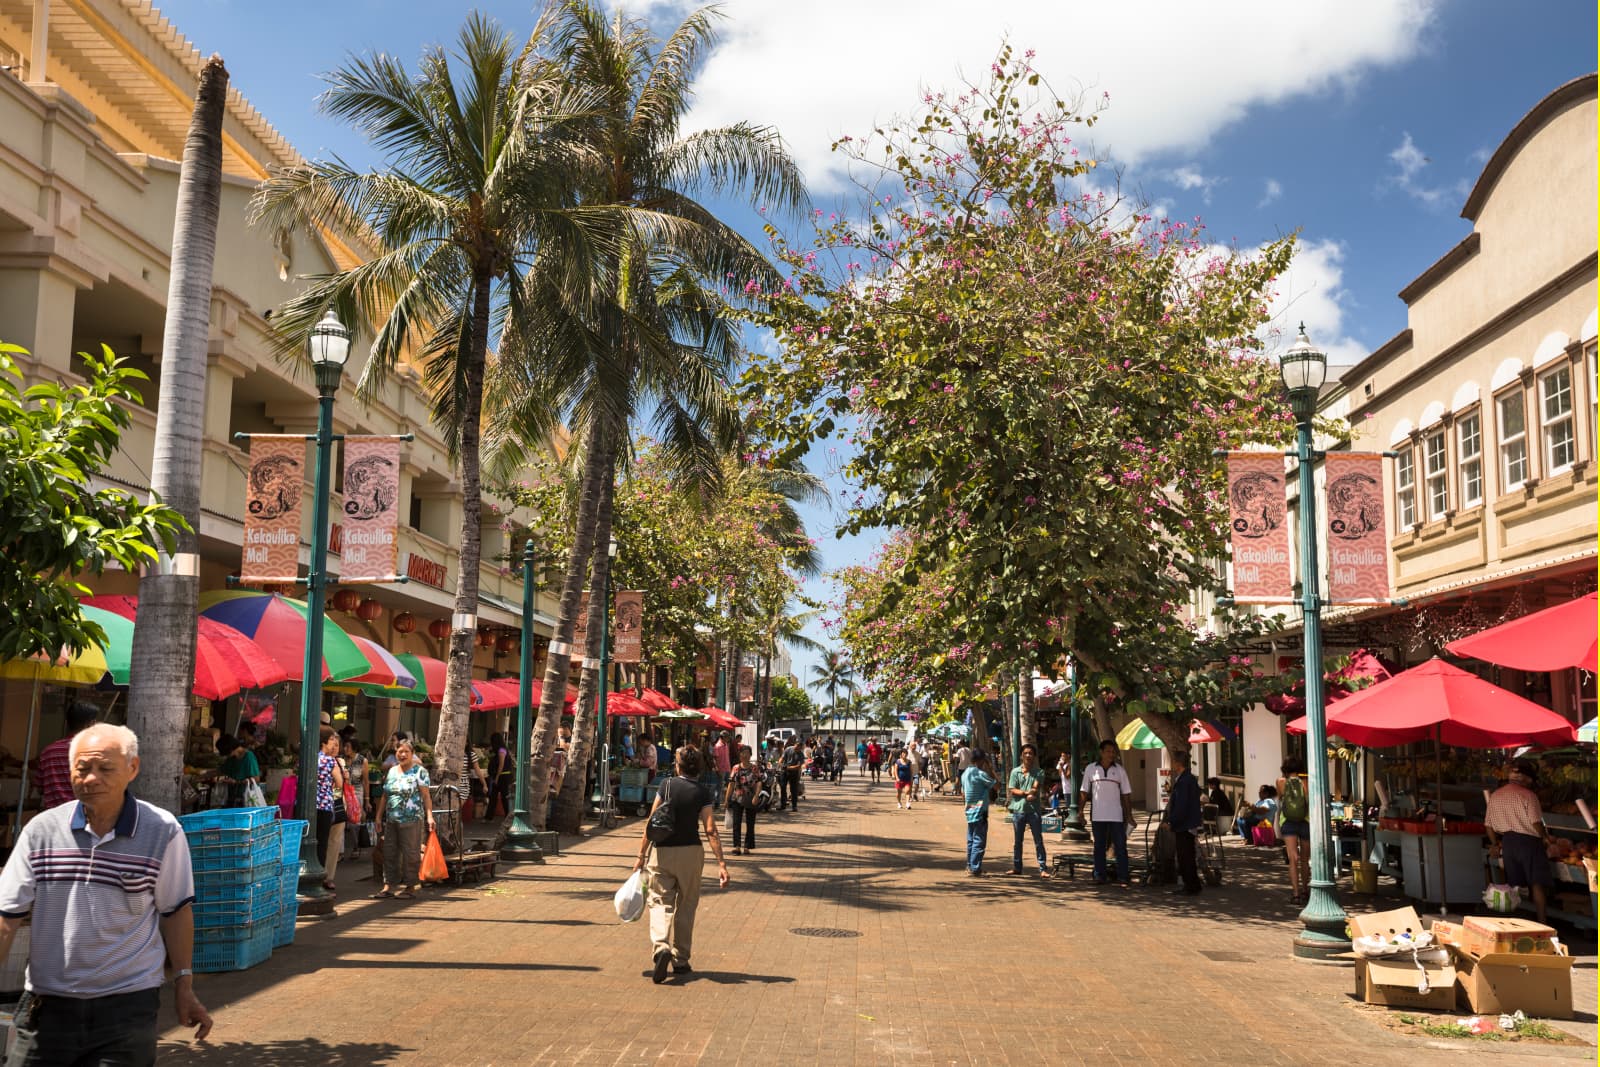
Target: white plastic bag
(629, 900)
(1502, 898)
(253, 796)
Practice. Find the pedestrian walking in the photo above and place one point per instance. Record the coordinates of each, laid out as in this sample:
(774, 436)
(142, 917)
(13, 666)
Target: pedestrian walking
(1515, 820)
(1064, 772)
(355, 762)
(875, 760)
(1022, 792)
(502, 776)
(1185, 818)
(55, 769)
(903, 781)
(838, 761)
(789, 787)
(108, 885)
(976, 784)
(1107, 792)
(745, 784)
(330, 808)
(861, 759)
(675, 865)
(404, 808)
(914, 754)
(722, 757)
(1294, 826)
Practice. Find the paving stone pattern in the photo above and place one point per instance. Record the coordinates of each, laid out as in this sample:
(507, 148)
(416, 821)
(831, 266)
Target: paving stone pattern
(932, 967)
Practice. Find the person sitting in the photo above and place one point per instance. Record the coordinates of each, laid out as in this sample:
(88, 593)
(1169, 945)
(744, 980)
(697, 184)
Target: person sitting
(1218, 796)
(1264, 810)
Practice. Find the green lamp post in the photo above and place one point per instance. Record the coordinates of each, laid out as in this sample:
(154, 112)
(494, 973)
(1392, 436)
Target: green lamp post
(329, 348)
(521, 844)
(602, 739)
(1304, 369)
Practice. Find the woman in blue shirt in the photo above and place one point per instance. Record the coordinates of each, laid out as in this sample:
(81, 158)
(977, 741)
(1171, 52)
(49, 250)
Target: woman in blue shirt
(976, 783)
(1265, 810)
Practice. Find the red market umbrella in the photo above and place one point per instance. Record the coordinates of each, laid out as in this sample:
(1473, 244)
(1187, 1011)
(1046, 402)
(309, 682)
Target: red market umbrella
(721, 719)
(494, 695)
(1203, 733)
(225, 660)
(1446, 704)
(658, 700)
(626, 704)
(1363, 667)
(1548, 640)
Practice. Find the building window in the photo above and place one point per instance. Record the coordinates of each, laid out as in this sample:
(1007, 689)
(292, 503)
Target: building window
(1231, 750)
(1469, 459)
(1555, 420)
(1513, 440)
(1436, 474)
(1405, 490)
(1589, 351)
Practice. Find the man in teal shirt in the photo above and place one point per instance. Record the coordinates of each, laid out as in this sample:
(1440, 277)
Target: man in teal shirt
(1022, 792)
(976, 781)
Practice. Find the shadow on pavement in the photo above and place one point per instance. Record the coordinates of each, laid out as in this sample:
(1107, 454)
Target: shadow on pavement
(304, 1052)
(724, 978)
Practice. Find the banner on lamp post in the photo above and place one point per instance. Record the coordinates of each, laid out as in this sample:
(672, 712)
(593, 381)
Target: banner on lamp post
(371, 515)
(273, 492)
(628, 626)
(1256, 514)
(747, 683)
(1358, 540)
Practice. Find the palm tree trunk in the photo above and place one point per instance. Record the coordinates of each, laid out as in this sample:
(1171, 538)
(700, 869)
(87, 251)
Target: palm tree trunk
(599, 467)
(169, 592)
(1029, 714)
(450, 743)
(569, 807)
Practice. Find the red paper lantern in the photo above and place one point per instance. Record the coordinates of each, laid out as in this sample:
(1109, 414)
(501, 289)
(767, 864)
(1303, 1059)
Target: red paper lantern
(504, 643)
(485, 638)
(404, 622)
(346, 600)
(438, 629)
(369, 611)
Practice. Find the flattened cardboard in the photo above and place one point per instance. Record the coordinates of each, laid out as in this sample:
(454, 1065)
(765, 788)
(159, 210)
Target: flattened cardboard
(1393, 984)
(1386, 923)
(1538, 985)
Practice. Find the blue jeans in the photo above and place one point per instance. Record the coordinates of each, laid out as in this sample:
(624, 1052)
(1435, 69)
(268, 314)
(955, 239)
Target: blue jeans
(1020, 823)
(977, 841)
(1114, 834)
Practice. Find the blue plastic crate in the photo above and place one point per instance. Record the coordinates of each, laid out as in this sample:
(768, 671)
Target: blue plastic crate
(214, 884)
(228, 819)
(283, 928)
(233, 948)
(239, 905)
(292, 831)
(222, 850)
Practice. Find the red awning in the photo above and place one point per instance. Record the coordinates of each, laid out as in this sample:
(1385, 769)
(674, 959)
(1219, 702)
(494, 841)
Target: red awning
(1439, 702)
(719, 718)
(658, 700)
(1548, 640)
(626, 704)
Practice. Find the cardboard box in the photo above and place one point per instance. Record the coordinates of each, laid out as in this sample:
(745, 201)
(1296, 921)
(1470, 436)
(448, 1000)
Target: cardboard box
(1590, 869)
(1393, 981)
(1394, 984)
(1485, 935)
(1445, 933)
(1538, 985)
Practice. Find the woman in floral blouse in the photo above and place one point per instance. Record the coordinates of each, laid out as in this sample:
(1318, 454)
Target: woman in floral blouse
(331, 816)
(404, 808)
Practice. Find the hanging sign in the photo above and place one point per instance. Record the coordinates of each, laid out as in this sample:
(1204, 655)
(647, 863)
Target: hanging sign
(273, 491)
(747, 683)
(628, 628)
(371, 518)
(705, 676)
(1358, 546)
(1256, 503)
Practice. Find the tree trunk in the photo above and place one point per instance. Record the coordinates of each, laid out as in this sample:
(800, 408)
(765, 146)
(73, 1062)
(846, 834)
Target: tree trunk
(570, 803)
(169, 592)
(1030, 713)
(1174, 732)
(450, 744)
(1102, 718)
(599, 467)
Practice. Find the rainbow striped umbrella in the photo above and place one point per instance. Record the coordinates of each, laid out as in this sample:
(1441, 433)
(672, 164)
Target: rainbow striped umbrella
(278, 625)
(88, 666)
(387, 670)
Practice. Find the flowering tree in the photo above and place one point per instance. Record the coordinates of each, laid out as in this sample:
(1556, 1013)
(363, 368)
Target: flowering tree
(1034, 378)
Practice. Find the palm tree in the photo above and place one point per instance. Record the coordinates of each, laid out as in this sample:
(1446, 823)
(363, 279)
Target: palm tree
(605, 366)
(169, 594)
(831, 675)
(478, 183)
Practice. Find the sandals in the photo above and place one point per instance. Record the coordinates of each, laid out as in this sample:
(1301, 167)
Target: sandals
(405, 894)
(382, 894)
(330, 887)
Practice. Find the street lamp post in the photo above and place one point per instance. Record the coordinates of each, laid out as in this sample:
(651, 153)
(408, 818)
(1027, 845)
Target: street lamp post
(329, 347)
(1074, 827)
(1304, 369)
(603, 740)
(520, 841)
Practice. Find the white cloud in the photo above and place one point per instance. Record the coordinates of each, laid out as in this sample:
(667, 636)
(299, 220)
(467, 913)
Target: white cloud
(1188, 178)
(1312, 291)
(1273, 191)
(825, 68)
(1410, 162)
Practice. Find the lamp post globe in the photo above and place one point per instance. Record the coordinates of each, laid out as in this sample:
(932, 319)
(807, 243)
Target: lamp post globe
(1304, 368)
(329, 346)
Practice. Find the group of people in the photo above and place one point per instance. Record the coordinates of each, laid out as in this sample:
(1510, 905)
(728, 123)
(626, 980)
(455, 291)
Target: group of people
(1281, 814)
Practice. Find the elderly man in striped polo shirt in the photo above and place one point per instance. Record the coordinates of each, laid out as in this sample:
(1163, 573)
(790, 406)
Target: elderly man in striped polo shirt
(108, 883)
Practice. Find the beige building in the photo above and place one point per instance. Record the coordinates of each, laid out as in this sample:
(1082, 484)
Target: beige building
(94, 106)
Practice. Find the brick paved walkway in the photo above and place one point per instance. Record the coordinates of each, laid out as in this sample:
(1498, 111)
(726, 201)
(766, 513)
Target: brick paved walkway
(939, 968)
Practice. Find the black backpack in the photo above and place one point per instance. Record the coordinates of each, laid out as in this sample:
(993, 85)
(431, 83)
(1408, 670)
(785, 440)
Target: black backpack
(662, 825)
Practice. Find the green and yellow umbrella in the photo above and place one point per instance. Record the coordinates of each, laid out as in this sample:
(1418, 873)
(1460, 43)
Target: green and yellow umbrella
(87, 667)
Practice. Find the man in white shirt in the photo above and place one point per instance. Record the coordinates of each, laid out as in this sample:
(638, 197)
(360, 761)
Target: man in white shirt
(1107, 792)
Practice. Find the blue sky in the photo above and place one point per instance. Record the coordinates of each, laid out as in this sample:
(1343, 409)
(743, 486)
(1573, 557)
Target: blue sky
(1362, 124)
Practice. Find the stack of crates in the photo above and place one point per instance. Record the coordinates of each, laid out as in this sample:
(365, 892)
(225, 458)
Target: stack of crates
(237, 856)
(292, 830)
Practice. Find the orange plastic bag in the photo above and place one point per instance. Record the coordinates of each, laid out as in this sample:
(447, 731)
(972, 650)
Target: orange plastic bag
(434, 868)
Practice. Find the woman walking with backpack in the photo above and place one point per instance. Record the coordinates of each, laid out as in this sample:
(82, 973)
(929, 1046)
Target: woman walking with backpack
(1294, 826)
(673, 859)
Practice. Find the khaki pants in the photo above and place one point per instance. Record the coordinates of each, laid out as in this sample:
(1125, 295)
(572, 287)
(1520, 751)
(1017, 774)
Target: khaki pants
(402, 853)
(674, 879)
(335, 849)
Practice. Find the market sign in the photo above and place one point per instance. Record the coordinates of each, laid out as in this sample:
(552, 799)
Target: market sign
(580, 630)
(628, 626)
(1358, 546)
(1256, 506)
(274, 488)
(420, 568)
(747, 683)
(705, 676)
(371, 518)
